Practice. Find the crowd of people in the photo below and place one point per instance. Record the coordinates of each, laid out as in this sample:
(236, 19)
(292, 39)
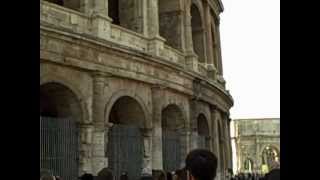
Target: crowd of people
(200, 165)
(272, 175)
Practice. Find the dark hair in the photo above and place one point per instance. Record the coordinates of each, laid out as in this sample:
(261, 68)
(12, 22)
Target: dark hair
(202, 164)
(86, 176)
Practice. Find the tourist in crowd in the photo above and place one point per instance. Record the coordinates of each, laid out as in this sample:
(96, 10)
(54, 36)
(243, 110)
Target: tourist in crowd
(201, 165)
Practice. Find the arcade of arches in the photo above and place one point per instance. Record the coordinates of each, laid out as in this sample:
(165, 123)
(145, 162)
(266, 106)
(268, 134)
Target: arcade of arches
(126, 133)
(120, 86)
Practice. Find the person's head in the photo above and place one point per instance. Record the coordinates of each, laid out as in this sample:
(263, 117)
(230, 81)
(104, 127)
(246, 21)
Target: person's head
(86, 176)
(201, 164)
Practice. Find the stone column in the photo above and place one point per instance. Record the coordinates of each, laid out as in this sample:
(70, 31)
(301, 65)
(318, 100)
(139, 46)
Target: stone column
(156, 43)
(191, 58)
(147, 156)
(218, 46)
(216, 140)
(226, 143)
(209, 38)
(101, 7)
(85, 154)
(211, 68)
(100, 22)
(157, 102)
(230, 144)
(98, 155)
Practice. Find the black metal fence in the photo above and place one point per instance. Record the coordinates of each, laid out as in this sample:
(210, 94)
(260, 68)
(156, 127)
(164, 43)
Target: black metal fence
(125, 151)
(59, 147)
(171, 150)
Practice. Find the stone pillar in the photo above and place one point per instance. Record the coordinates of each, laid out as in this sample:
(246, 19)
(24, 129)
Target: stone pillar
(225, 143)
(230, 144)
(220, 68)
(191, 57)
(156, 43)
(157, 96)
(209, 44)
(98, 155)
(216, 140)
(85, 154)
(147, 156)
(100, 7)
(100, 21)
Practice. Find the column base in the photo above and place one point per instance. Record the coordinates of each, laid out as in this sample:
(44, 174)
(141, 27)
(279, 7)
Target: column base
(156, 45)
(212, 72)
(192, 62)
(101, 26)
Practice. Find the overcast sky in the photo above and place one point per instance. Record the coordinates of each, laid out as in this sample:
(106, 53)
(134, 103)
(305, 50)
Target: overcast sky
(250, 40)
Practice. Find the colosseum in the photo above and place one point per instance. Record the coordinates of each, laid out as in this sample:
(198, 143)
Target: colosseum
(132, 85)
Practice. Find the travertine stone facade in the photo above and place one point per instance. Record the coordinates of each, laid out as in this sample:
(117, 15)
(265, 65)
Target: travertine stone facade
(139, 58)
(253, 137)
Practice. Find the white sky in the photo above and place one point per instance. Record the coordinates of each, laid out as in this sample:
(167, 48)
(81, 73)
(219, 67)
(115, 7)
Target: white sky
(250, 40)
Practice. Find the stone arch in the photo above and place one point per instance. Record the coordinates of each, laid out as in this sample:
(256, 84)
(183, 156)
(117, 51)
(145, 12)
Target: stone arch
(60, 117)
(147, 123)
(173, 142)
(63, 81)
(173, 111)
(198, 35)
(270, 148)
(71, 4)
(127, 140)
(126, 13)
(274, 146)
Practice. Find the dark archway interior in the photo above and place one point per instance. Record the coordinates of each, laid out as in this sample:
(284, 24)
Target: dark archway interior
(170, 23)
(126, 13)
(113, 10)
(172, 118)
(127, 111)
(203, 132)
(58, 101)
(71, 4)
(203, 127)
(172, 124)
(197, 33)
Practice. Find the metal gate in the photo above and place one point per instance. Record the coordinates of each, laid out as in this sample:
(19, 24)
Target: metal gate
(59, 147)
(171, 150)
(125, 151)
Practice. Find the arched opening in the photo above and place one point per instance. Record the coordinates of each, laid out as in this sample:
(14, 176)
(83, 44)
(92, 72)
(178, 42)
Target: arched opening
(172, 124)
(127, 14)
(125, 139)
(270, 158)
(248, 165)
(203, 132)
(197, 33)
(71, 4)
(60, 114)
(170, 22)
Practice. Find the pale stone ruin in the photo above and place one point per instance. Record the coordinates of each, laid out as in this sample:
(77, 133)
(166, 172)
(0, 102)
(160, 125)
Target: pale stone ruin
(132, 85)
